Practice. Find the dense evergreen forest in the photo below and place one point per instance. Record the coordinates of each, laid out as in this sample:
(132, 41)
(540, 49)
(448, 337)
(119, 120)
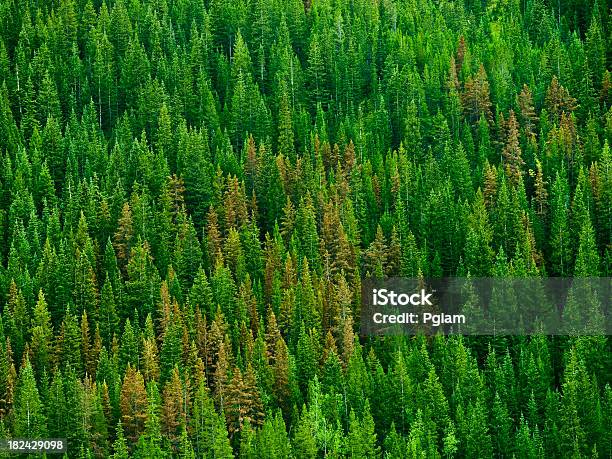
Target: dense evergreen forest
(192, 190)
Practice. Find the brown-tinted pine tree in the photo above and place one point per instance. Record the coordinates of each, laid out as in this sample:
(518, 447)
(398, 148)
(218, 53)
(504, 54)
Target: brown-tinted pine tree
(133, 404)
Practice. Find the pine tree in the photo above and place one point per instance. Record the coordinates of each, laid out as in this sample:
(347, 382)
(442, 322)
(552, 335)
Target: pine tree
(150, 442)
(306, 232)
(128, 351)
(304, 444)
(57, 412)
(85, 290)
(187, 253)
(558, 100)
(133, 404)
(316, 72)
(478, 252)
(150, 360)
(476, 97)
(41, 344)
(362, 435)
(412, 129)
(572, 433)
(104, 80)
(87, 353)
(142, 282)
(209, 431)
(237, 403)
(500, 426)
(194, 167)
(17, 319)
(48, 101)
(477, 437)
(256, 409)
(376, 255)
(541, 195)
(285, 135)
(272, 439)
(559, 227)
(107, 320)
(123, 236)
(450, 442)
(528, 114)
(76, 423)
(173, 410)
(29, 413)
(68, 343)
(120, 445)
(512, 151)
(587, 258)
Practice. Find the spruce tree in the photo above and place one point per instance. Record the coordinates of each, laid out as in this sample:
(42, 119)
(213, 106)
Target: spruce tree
(29, 414)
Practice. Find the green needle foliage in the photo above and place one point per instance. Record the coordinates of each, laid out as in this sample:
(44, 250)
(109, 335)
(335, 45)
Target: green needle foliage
(191, 192)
